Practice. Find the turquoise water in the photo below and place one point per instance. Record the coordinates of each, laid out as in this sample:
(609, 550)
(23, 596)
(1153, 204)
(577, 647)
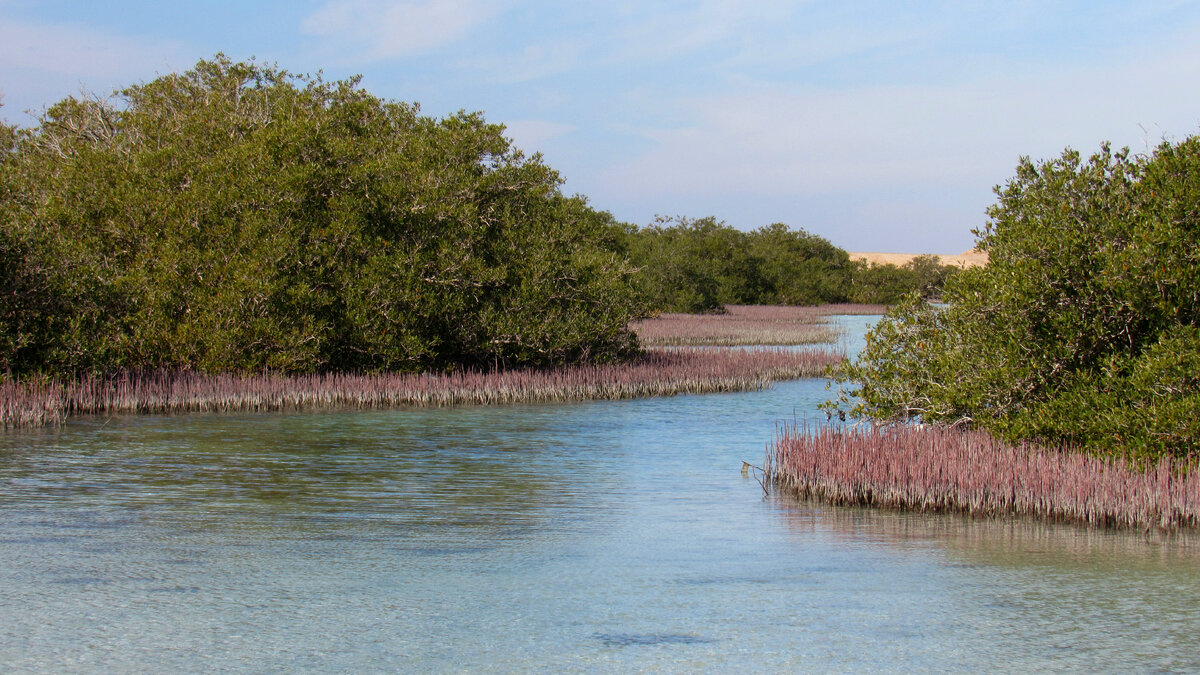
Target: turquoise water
(608, 536)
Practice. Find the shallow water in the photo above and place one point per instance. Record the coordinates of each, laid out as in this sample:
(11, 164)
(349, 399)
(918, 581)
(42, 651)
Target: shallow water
(610, 536)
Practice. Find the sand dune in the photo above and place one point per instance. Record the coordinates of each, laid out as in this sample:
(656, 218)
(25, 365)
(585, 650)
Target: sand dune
(972, 258)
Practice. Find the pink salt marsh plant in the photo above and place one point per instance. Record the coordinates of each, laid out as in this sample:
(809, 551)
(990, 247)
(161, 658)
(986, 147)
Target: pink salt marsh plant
(655, 373)
(747, 325)
(941, 469)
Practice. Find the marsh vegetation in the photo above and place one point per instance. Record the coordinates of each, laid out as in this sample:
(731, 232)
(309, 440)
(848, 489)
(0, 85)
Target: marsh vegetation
(238, 237)
(1080, 333)
(748, 325)
(657, 372)
(939, 469)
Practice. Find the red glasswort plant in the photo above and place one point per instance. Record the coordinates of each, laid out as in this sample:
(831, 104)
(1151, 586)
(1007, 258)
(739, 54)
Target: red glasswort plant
(747, 325)
(942, 469)
(655, 373)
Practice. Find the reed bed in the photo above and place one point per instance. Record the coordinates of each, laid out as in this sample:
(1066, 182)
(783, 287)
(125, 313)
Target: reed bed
(740, 325)
(655, 373)
(938, 469)
(851, 308)
(743, 325)
(801, 313)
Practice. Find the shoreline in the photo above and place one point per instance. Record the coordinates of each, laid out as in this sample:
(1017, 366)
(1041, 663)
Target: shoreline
(934, 469)
(749, 325)
(657, 372)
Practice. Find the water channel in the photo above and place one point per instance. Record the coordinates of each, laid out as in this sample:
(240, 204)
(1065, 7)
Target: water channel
(607, 536)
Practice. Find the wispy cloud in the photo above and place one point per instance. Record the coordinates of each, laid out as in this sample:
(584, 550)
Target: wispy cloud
(40, 62)
(652, 33)
(383, 29)
(698, 43)
(531, 135)
(75, 51)
(532, 62)
(596, 36)
(878, 142)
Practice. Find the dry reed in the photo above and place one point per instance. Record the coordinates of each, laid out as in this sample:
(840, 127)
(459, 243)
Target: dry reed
(851, 308)
(655, 373)
(742, 325)
(937, 469)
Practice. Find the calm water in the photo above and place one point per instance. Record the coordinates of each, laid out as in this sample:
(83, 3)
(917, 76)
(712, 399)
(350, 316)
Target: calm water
(609, 536)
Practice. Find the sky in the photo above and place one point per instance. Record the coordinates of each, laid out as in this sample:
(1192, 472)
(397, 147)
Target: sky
(881, 126)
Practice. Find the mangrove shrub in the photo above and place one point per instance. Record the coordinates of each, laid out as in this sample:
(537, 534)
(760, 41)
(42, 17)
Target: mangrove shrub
(237, 217)
(887, 284)
(1082, 328)
(701, 265)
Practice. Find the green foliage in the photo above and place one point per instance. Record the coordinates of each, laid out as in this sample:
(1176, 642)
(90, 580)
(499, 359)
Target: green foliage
(794, 267)
(689, 265)
(701, 265)
(1146, 405)
(1082, 327)
(888, 284)
(238, 217)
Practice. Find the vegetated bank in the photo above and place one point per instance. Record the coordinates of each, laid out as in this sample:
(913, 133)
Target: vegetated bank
(747, 325)
(237, 218)
(1080, 336)
(701, 265)
(653, 373)
(940, 469)
(237, 230)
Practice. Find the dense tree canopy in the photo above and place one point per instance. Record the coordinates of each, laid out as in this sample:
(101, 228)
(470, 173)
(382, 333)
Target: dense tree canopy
(689, 265)
(1082, 329)
(239, 217)
(887, 283)
(700, 265)
(794, 267)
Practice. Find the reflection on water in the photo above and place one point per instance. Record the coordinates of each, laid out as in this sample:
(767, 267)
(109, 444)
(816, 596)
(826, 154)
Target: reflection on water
(993, 538)
(609, 536)
(1051, 596)
(852, 329)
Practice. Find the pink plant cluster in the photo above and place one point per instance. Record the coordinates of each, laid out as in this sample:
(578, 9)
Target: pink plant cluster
(747, 325)
(803, 312)
(655, 373)
(941, 469)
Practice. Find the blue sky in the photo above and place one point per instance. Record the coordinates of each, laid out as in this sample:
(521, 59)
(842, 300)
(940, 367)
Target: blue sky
(881, 126)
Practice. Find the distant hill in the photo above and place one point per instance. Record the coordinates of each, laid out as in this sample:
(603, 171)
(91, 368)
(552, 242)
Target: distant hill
(972, 258)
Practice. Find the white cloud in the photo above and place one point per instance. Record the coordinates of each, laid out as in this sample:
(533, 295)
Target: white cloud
(385, 29)
(884, 149)
(605, 35)
(532, 135)
(533, 62)
(787, 139)
(46, 62)
(69, 50)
